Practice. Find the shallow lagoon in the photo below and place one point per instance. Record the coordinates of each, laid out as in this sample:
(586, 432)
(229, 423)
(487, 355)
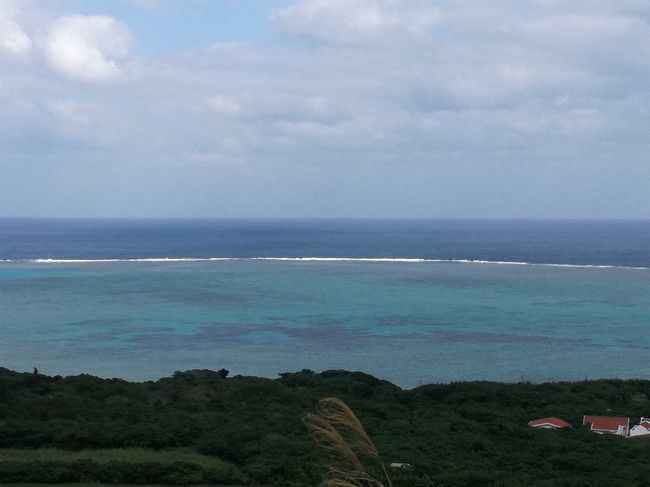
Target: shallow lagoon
(408, 322)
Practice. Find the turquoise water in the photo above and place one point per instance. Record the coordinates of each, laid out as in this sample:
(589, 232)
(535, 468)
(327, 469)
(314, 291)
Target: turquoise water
(408, 322)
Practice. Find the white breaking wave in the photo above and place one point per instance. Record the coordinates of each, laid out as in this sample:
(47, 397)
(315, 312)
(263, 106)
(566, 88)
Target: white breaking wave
(443, 261)
(339, 259)
(327, 259)
(511, 262)
(153, 259)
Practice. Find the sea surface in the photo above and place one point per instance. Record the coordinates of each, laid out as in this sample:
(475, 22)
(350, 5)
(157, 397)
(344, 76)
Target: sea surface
(410, 301)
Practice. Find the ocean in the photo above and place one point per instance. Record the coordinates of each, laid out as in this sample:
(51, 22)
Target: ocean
(411, 301)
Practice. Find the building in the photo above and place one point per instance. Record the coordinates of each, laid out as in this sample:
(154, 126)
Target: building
(641, 429)
(549, 423)
(614, 425)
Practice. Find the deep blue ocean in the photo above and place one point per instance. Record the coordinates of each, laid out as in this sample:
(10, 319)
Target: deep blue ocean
(409, 301)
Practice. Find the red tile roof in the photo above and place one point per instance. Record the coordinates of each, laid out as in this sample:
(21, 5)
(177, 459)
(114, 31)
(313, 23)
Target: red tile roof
(558, 423)
(646, 425)
(609, 423)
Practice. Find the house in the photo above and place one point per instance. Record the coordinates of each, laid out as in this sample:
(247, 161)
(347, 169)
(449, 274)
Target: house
(549, 423)
(641, 429)
(615, 425)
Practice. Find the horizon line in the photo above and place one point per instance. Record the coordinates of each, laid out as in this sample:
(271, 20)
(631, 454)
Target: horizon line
(320, 218)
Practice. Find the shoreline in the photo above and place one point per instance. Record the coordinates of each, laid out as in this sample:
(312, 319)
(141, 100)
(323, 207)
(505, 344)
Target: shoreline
(326, 373)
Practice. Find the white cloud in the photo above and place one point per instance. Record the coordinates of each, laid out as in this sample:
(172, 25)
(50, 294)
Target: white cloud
(434, 96)
(224, 105)
(604, 35)
(350, 21)
(150, 4)
(69, 112)
(13, 38)
(87, 48)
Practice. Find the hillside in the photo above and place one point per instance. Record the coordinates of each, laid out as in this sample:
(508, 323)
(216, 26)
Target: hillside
(201, 427)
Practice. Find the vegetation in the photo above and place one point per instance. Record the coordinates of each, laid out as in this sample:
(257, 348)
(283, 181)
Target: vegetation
(78, 484)
(200, 427)
(133, 465)
(338, 431)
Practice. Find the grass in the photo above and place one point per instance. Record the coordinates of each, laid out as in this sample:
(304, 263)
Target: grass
(129, 455)
(95, 485)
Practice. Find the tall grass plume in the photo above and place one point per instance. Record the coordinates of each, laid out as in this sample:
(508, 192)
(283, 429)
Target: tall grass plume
(350, 451)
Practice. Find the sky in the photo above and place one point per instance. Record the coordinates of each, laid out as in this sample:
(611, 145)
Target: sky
(325, 108)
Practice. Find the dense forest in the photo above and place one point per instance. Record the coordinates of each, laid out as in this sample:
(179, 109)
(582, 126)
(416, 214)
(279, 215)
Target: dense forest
(202, 427)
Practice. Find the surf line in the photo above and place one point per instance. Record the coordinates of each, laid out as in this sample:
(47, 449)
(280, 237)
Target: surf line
(324, 260)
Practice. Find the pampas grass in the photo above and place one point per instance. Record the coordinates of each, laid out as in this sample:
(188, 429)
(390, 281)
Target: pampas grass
(337, 430)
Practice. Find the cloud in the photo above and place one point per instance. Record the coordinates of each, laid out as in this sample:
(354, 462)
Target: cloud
(14, 40)
(149, 4)
(350, 21)
(362, 108)
(224, 105)
(87, 48)
(69, 112)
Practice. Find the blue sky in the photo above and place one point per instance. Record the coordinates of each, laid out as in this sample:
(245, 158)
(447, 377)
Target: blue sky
(325, 108)
(164, 26)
